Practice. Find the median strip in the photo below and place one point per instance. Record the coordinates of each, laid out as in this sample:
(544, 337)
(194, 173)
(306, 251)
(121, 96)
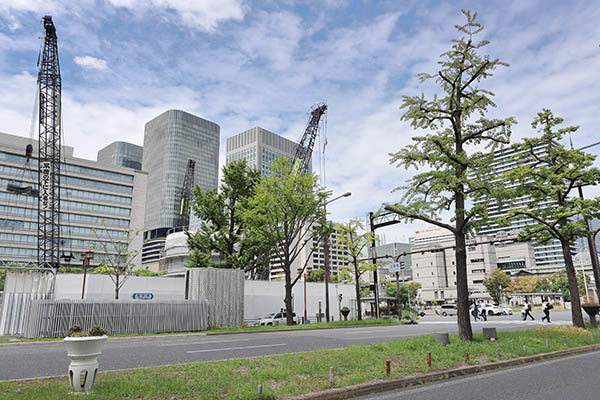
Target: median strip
(317, 373)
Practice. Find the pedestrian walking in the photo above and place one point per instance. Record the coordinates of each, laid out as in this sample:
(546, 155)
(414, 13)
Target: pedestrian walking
(483, 313)
(527, 311)
(546, 307)
(475, 312)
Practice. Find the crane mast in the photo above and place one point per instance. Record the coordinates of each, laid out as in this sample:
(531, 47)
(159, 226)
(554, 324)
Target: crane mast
(307, 141)
(182, 218)
(49, 87)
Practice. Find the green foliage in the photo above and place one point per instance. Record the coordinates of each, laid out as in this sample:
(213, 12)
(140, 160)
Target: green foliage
(558, 283)
(525, 284)
(75, 329)
(549, 173)
(455, 151)
(104, 270)
(496, 284)
(280, 211)
(2, 278)
(96, 331)
(223, 231)
(316, 275)
(145, 272)
(353, 240)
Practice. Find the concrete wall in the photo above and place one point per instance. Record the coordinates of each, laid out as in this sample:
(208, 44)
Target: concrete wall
(68, 286)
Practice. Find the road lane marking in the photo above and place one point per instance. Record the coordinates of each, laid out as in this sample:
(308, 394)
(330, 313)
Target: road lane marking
(359, 332)
(237, 348)
(208, 342)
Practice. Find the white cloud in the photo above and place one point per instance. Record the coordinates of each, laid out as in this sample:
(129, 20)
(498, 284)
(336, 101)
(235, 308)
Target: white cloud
(203, 14)
(90, 62)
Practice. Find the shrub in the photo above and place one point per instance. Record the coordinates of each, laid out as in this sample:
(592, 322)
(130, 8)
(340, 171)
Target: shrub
(74, 330)
(97, 331)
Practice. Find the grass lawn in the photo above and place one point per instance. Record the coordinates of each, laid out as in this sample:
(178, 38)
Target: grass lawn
(320, 325)
(293, 374)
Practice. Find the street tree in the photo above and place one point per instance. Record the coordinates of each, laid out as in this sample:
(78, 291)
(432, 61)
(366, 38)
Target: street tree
(287, 211)
(455, 151)
(116, 255)
(353, 239)
(525, 284)
(548, 173)
(496, 284)
(558, 283)
(316, 275)
(222, 229)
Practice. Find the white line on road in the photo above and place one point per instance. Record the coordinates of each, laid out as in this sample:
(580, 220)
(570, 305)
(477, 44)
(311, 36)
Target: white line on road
(366, 331)
(238, 348)
(207, 342)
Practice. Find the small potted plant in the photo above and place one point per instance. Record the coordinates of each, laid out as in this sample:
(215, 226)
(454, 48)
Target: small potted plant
(345, 311)
(84, 349)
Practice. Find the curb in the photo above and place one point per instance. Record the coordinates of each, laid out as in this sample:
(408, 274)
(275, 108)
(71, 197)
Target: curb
(363, 389)
(112, 338)
(302, 329)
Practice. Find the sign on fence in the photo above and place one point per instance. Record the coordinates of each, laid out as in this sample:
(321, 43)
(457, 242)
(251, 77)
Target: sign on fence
(142, 296)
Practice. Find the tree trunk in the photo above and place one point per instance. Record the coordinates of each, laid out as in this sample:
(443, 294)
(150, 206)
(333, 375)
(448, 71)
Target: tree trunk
(462, 288)
(576, 315)
(357, 280)
(117, 288)
(288, 297)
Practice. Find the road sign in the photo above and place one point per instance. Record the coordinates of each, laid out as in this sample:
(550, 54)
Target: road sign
(142, 296)
(395, 266)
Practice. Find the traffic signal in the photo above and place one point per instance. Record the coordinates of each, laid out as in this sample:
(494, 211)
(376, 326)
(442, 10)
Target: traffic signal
(340, 297)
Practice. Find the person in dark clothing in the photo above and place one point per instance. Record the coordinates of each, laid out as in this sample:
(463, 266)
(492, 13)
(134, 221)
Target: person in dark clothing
(546, 307)
(483, 314)
(475, 312)
(527, 311)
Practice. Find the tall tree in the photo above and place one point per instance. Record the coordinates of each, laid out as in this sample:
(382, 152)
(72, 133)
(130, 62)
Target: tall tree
(496, 284)
(548, 173)
(351, 239)
(455, 126)
(222, 228)
(287, 210)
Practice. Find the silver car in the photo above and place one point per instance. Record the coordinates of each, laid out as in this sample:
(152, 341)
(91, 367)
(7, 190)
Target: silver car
(447, 309)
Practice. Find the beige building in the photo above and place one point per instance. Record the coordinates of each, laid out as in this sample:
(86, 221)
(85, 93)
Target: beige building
(435, 266)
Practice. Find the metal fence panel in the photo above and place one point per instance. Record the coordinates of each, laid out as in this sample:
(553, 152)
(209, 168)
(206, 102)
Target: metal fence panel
(53, 318)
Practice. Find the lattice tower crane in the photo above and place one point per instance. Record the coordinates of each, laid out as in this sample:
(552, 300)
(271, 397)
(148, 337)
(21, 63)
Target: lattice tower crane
(307, 141)
(49, 87)
(182, 218)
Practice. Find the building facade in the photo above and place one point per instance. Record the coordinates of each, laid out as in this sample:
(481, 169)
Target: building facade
(548, 256)
(122, 154)
(170, 141)
(99, 204)
(260, 148)
(434, 263)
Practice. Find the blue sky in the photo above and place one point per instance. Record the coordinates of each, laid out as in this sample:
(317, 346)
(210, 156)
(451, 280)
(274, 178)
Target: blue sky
(245, 63)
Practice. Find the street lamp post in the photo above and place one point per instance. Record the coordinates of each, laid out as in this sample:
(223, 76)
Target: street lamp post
(326, 253)
(85, 257)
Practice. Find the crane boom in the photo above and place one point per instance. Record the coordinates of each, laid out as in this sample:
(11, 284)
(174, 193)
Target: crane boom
(183, 210)
(307, 141)
(49, 87)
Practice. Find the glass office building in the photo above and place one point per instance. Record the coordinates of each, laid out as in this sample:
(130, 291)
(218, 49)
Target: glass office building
(170, 140)
(99, 203)
(122, 154)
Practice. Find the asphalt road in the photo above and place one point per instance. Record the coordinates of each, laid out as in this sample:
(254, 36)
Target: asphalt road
(31, 360)
(573, 378)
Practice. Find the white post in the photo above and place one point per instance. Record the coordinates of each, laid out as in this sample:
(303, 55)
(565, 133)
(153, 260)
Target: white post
(583, 272)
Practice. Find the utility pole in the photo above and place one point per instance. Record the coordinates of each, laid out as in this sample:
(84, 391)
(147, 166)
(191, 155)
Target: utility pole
(374, 262)
(326, 253)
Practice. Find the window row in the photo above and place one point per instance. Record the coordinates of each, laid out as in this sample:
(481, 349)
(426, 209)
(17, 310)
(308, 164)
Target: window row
(92, 244)
(67, 217)
(71, 168)
(65, 229)
(68, 180)
(11, 197)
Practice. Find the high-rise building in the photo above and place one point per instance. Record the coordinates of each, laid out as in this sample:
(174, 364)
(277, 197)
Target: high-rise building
(260, 148)
(98, 204)
(170, 141)
(121, 154)
(548, 257)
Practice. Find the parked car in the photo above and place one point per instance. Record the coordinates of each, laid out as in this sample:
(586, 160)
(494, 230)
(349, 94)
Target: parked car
(447, 309)
(491, 309)
(506, 310)
(279, 318)
(419, 311)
